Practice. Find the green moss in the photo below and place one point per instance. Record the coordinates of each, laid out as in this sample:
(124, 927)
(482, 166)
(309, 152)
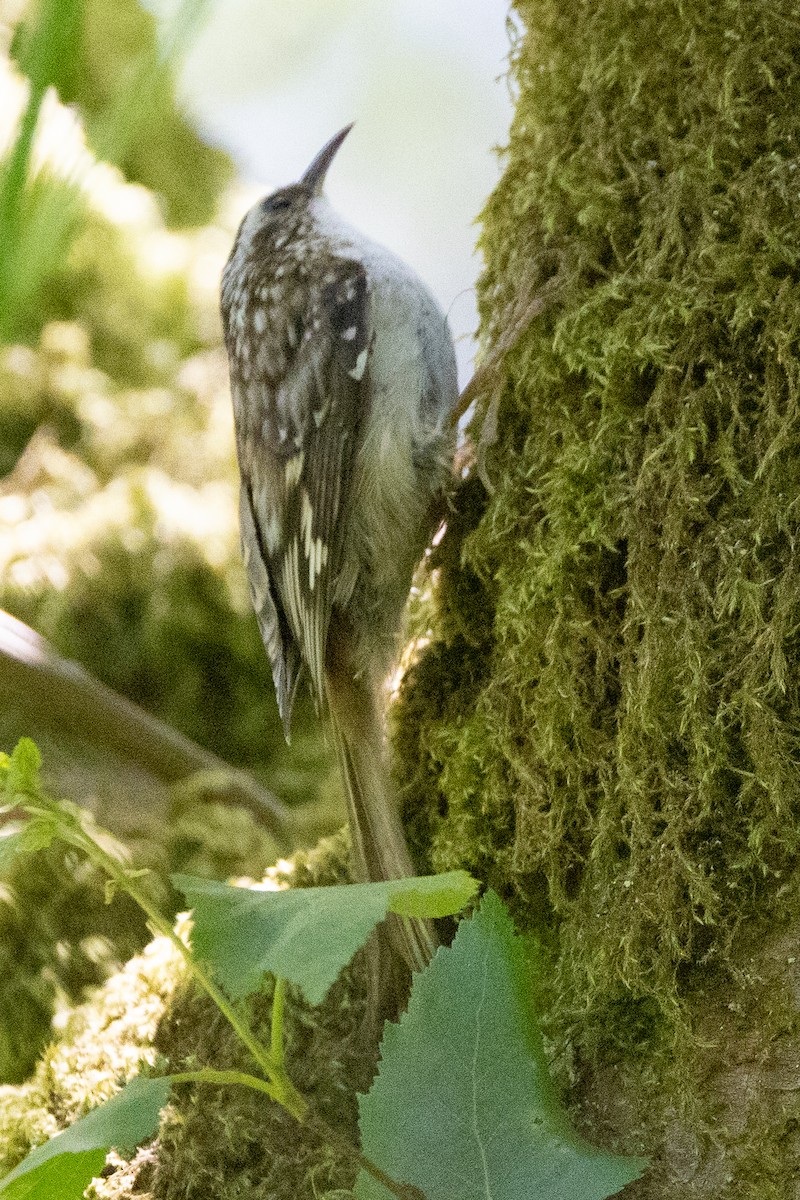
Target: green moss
(58, 940)
(101, 1046)
(610, 731)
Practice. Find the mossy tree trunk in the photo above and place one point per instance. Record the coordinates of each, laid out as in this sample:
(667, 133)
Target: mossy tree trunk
(606, 725)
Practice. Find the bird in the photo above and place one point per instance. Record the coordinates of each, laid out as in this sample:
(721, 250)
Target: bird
(343, 381)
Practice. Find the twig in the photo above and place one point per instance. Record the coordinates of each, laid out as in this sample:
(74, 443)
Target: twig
(65, 696)
(487, 378)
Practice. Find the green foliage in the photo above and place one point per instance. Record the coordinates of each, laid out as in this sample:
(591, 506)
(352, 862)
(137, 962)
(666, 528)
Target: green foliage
(44, 55)
(19, 772)
(60, 1178)
(122, 59)
(33, 836)
(480, 1073)
(59, 939)
(463, 1104)
(19, 776)
(304, 935)
(44, 45)
(103, 58)
(121, 1123)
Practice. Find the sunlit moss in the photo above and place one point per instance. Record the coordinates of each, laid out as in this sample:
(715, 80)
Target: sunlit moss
(102, 1045)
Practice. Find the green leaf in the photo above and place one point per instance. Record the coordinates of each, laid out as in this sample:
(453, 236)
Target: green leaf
(11, 845)
(62, 1168)
(433, 895)
(46, 44)
(62, 1178)
(22, 769)
(35, 834)
(463, 1104)
(304, 935)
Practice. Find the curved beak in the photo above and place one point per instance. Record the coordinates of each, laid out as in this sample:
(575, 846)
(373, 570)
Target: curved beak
(314, 177)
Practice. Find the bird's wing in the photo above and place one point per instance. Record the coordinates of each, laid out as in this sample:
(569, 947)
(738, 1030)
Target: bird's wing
(297, 474)
(284, 655)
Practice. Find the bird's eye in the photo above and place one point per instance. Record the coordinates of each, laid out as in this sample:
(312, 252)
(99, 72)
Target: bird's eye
(280, 202)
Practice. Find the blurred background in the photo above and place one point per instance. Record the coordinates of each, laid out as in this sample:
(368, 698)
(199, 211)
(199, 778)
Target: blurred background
(133, 137)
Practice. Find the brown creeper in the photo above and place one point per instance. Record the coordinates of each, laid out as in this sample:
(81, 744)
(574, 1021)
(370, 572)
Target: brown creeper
(343, 378)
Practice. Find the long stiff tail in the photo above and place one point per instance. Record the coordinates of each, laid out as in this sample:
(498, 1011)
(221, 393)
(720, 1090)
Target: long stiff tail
(379, 849)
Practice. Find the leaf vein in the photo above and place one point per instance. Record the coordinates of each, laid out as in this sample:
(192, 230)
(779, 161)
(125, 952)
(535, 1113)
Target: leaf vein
(475, 1128)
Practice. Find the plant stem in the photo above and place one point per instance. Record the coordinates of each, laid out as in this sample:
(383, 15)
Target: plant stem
(283, 1088)
(278, 1086)
(210, 1075)
(276, 1032)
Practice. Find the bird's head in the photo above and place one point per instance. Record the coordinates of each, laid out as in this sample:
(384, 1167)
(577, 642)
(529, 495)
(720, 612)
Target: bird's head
(283, 211)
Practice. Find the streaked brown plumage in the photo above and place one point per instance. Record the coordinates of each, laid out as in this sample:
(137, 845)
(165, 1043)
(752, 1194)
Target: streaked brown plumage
(343, 381)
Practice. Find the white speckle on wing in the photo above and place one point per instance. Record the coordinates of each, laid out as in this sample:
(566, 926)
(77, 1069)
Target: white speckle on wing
(316, 560)
(293, 469)
(259, 589)
(349, 334)
(306, 517)
(361, 364)
(259, 320)
(272, 532)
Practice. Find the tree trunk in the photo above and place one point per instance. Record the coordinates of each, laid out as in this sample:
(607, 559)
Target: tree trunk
(605, 725)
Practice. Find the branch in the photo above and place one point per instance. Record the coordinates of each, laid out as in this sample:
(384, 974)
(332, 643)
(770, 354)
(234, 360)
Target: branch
(66, 697)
